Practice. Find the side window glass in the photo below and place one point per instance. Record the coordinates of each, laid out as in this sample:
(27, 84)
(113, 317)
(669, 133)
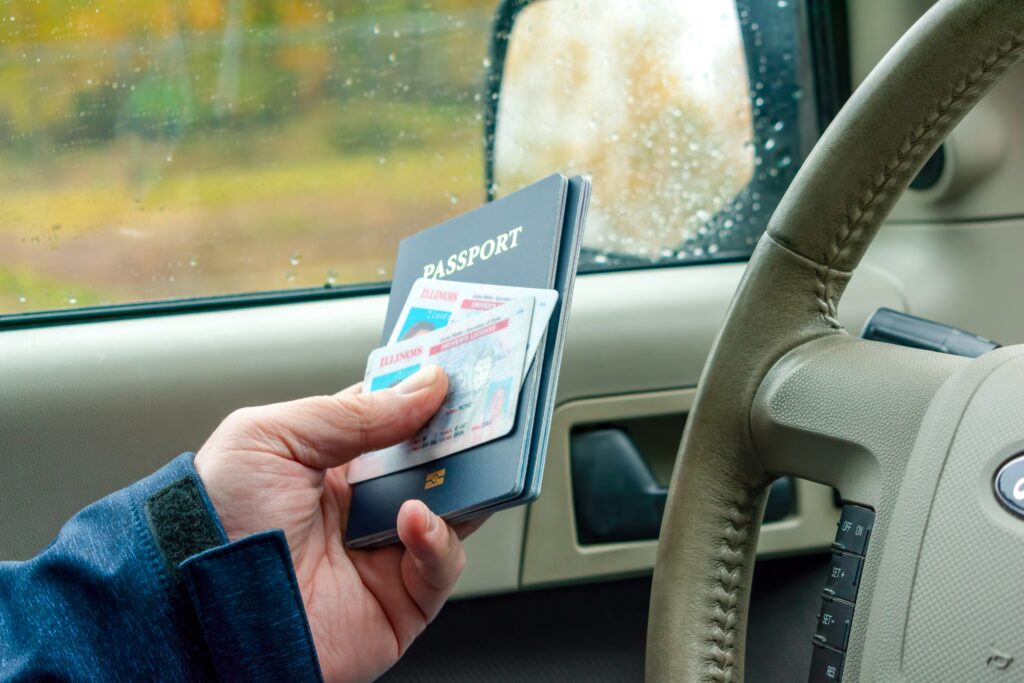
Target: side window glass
(195, 148)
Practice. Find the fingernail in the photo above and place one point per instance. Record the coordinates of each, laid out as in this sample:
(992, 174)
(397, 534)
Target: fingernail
(421, 379)
(431, 520)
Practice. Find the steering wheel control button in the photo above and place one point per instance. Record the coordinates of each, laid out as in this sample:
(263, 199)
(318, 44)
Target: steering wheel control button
(834, 619)
(826, 665)
(1010, 485)
(855, 525)
(844, 576)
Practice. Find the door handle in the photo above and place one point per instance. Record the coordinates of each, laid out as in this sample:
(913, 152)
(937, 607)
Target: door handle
(616, 497)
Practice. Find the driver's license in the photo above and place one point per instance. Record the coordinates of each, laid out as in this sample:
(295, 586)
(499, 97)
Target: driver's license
(484, 358)
(432, 304)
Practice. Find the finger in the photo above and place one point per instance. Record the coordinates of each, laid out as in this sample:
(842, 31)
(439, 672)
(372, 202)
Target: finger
(327, 431)
(434, 557)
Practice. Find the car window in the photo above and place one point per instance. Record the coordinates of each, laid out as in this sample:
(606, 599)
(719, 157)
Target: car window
(200, 148)
(687, 116)
(155, 150)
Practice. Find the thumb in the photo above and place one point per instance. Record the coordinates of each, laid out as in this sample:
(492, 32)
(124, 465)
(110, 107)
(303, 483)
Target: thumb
(326, 431)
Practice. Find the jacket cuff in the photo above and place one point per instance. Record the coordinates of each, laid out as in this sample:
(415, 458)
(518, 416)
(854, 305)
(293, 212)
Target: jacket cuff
(250, 609)
(244, 594)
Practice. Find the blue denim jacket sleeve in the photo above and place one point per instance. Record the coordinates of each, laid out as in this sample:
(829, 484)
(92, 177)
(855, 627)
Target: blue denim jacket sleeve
(144, 585)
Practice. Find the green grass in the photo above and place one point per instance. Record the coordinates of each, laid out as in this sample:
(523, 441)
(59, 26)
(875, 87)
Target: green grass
(103, 225)
(23, 290)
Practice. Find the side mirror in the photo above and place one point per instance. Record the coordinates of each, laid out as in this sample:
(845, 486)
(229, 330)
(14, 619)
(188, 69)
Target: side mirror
(689, 116)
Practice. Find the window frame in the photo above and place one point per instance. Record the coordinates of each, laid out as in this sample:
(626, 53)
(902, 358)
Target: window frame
(822, 38)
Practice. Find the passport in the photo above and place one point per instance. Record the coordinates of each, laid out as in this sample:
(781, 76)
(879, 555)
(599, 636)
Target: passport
(530, 238)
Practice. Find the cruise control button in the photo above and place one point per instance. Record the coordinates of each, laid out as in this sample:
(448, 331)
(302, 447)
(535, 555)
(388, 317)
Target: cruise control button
(834, 619)
(854, 529)
(826, 665)
(844, 576)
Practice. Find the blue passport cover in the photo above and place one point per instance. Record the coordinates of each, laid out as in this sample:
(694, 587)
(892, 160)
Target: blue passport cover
(577, 202)
(514, 241)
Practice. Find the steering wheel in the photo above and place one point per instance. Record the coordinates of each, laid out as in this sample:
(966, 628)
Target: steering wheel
(917, 437)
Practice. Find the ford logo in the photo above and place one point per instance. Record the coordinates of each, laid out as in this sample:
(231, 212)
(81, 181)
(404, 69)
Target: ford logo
(1010, 485)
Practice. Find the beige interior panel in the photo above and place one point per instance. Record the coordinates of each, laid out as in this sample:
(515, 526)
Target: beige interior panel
(984, 154)
(641, 331)
(553, 554)
(968, 274)
(87, 409)
(955, 250)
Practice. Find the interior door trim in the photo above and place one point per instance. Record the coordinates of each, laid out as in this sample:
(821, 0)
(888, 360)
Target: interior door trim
(553, 555)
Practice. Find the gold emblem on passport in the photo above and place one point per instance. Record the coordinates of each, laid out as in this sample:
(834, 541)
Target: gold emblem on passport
(434, 479)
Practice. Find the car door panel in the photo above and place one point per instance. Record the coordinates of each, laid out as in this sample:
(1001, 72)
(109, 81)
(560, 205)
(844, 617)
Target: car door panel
(89, 408)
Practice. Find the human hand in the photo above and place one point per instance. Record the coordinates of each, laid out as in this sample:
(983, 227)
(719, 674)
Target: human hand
(283, 466)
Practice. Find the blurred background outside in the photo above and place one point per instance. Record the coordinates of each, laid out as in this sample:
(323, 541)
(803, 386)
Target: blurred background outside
(154, 149)
(650, 98)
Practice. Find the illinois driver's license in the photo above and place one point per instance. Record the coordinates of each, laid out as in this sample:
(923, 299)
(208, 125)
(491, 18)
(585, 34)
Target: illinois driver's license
(432, 304)
(484, 358)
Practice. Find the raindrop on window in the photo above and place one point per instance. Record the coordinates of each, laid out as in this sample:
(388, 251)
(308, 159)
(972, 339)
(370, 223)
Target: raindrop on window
(769, 143)
(296, 259)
